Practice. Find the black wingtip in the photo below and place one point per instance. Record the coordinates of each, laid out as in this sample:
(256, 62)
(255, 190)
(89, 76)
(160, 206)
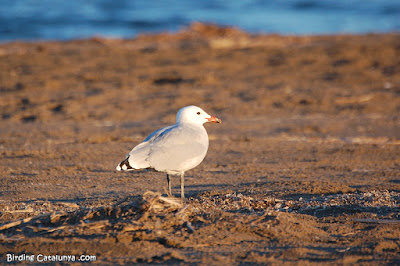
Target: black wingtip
(124, 165)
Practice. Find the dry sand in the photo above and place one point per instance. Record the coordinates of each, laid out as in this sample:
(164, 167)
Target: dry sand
(304, 169)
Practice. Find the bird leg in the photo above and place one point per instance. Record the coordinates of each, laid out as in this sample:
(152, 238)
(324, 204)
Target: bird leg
(169, 185)
(183, 185)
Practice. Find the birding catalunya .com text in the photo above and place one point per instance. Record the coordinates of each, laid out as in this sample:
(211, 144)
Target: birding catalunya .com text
(48, 258)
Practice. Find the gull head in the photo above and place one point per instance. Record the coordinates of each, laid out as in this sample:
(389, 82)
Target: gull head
(195, 115)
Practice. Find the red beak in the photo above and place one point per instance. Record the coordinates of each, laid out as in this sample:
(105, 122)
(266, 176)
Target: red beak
(214, 119)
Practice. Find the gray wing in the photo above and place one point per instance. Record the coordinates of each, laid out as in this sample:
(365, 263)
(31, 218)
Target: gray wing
(178, 149)
(159, 133)
(138, 157)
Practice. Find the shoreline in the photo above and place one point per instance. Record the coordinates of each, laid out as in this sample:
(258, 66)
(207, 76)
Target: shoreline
(197, 29)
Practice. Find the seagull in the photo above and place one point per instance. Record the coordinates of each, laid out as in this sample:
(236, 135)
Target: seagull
(174, 149)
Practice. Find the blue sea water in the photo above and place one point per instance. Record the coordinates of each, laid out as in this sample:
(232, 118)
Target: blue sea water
(71, 19)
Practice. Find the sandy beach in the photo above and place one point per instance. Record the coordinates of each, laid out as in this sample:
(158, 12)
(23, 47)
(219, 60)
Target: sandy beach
(305, 167)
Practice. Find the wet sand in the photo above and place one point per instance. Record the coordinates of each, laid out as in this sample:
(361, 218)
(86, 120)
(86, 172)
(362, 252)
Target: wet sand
(304, 168)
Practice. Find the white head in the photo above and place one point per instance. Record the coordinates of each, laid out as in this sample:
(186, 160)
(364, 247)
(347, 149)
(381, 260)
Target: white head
(195, 115)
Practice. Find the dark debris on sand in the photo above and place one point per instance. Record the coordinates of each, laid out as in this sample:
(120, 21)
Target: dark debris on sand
(182, 230)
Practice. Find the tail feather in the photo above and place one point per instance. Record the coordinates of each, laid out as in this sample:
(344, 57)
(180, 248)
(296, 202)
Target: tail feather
(124, 165)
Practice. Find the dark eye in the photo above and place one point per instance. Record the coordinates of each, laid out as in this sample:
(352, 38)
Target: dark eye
(198, 113)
